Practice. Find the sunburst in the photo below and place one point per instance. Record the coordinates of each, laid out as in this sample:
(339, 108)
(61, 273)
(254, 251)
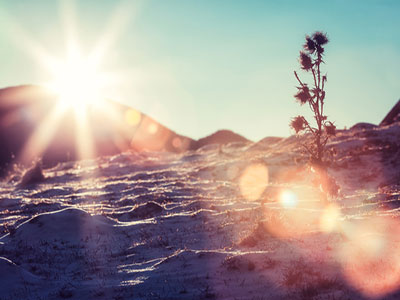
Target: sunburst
(78, 80)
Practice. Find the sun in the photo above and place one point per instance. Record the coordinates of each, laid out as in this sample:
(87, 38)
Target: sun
(77, 81)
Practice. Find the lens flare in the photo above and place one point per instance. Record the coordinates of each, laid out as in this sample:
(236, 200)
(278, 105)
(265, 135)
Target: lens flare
(151, 136)
(288, 199)
(330, 218)
(253, 181)
(371, 257)
(152, 128)
(78, 79)
(132, 117)
(300, 213)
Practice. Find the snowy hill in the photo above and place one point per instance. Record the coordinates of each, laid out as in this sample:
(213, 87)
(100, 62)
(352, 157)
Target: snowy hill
(220, 137)
(31, 116)
(242, 223)
(32, 111)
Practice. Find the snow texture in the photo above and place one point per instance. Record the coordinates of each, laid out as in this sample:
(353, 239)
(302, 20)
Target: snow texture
(208, 224)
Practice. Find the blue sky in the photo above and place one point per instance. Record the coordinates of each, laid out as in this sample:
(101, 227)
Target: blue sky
(199, 66)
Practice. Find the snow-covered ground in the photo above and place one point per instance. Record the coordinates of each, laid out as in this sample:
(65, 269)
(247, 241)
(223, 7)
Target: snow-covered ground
(242, 221)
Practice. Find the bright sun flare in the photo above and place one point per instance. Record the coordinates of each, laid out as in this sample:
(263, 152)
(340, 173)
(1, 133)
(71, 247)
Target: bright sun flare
(77, 82)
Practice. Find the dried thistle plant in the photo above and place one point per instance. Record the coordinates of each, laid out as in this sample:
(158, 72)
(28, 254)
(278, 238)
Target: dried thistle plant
(311, 58)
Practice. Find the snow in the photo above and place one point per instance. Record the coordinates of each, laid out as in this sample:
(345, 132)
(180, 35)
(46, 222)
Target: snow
(209, 224)
(13, 277)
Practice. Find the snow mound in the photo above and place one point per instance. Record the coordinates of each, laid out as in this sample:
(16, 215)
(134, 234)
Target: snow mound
(363, 126)
(70, 244)
(144, 211)
(67, 225)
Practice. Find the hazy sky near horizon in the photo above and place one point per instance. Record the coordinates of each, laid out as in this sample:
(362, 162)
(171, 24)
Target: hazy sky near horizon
(200, 66)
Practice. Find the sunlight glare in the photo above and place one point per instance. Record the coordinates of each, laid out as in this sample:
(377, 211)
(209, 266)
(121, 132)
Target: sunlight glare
(300, 212)
(132, 117)
(152, 128)
(330, 218)
(371, 258)
(253, 181)
(288, 199)
(77, 82)
(37, 143)
(150, 136)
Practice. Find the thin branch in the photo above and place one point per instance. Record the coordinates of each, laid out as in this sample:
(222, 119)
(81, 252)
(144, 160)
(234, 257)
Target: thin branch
(311, 104)
(319, 60)
(315, 79)
(323, 82)
(322, 102)
(298, 79)
(308, 126)
(325, 141)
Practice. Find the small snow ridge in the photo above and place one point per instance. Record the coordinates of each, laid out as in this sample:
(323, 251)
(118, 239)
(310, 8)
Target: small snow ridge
(71, 225)
(147, 210)
(32, 176)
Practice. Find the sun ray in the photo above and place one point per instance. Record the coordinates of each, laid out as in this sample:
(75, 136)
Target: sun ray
(115, 26)
(20, 37)
(121, 128)
(80, 85)
(42, 136)
(84, 138)
(69, 22)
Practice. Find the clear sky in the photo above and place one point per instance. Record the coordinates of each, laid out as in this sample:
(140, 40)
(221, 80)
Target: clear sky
(199, 66)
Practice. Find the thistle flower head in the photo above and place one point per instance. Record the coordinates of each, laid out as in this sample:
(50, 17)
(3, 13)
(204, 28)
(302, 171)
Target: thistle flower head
(298, 123)
(305, 61)
(309, 45)
(330, 128)
(303, 94)
(320, 38)
(320, 49)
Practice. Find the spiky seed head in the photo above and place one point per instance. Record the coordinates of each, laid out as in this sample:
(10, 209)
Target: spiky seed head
(305, 61)
(309, 45)
(298, 124)
(320, 49)
(320, 38)
(330, 129)
(303, 95)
